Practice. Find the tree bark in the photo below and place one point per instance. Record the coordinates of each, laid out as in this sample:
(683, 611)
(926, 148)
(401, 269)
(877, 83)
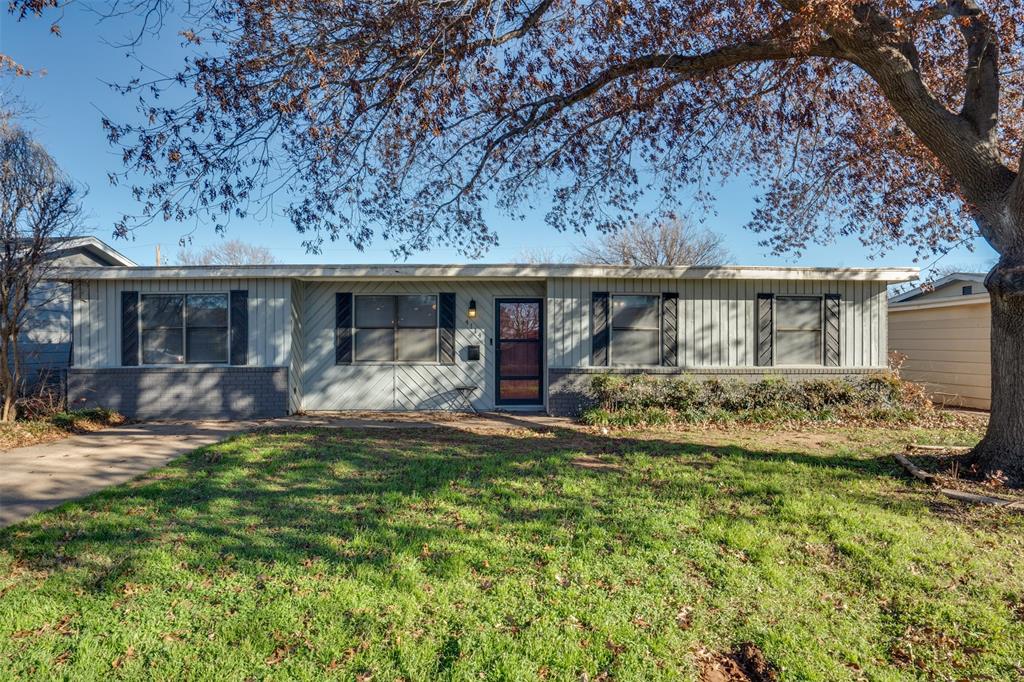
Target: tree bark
(1001, 451)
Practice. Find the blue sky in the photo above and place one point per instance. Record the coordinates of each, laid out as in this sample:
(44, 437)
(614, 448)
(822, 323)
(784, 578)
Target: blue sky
(68, 101)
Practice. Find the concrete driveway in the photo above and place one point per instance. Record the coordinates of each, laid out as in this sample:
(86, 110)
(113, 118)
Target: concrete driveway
(40, 477)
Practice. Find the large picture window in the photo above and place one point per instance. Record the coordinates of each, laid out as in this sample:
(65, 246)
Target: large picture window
(396, 328)
(636, 327)
(180, 328)
(797, 330)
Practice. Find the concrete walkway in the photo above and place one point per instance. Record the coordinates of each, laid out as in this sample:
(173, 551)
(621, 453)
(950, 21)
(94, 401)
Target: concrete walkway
(40, 477)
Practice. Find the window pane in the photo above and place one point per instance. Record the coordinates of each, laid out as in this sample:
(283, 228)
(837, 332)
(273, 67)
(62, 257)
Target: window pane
(207, 344)
(161, 311)
(207, 310)
(798, 313)
(520, 359)
(519, 389)
(375, 311)
(375, 345)
(417, 345)
(635, 311)
(519, 320)
(162, 346)
(798, 347)
(417, 311)
(635, 347)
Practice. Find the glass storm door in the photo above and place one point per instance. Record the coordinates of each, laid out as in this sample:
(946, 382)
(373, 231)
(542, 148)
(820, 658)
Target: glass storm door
(519, 339)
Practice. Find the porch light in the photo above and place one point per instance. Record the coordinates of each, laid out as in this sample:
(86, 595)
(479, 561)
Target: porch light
(472, 309)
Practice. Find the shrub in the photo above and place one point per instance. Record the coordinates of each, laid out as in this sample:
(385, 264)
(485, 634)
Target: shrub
(776, 413)
(627, 417)
(607, 388)
(714, 394)
(881, 389)
(770, 392)
(89, 419)
(683, 394)
(637, 400)
(820, 393)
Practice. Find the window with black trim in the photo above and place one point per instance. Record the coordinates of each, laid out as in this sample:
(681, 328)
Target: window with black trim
(399, 328)
(798, 325)
(636, 330)
(184, 328)
(967, 290)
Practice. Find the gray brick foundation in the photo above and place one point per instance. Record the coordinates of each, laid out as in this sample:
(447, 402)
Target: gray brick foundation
(569, 389)
(182, 392)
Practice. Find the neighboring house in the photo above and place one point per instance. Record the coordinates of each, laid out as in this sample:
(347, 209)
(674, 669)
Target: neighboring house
(944, 330)
(265, 340)
(46, 337)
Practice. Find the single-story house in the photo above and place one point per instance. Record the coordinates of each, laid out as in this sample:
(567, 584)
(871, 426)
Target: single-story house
(944, 330)
(44, 344)
(265, 340)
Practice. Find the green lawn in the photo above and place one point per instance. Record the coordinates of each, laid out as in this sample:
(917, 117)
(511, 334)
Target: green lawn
(439, 554)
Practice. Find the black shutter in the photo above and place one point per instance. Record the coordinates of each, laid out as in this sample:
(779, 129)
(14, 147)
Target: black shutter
(129, 328)
(343, 329)
(599, 329)
(832, 305)
(669, 329)
(239, 326)
(765, 329)
(446, 328)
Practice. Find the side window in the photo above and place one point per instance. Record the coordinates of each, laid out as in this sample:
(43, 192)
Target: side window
(798, 330)
(636, 330)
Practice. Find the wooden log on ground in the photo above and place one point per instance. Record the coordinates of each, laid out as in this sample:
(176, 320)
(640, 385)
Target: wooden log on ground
(974, 498)
(914, 471)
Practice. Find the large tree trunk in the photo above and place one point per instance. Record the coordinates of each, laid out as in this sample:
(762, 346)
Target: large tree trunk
(1001, 452)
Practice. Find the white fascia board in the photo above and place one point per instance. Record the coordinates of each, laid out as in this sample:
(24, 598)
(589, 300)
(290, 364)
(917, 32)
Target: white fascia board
(973, 299)
(494, 272)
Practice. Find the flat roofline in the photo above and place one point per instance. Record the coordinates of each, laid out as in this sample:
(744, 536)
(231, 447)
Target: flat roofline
(942, 302)
(482, 271)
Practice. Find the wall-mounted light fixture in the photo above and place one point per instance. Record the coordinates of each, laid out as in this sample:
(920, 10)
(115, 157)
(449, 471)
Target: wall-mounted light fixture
(471, 313)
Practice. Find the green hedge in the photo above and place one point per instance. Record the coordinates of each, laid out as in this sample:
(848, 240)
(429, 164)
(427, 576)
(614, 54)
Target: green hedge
(640, 399)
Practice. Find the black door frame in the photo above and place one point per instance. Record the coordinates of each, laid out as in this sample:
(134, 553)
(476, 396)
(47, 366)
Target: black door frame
(539, 402)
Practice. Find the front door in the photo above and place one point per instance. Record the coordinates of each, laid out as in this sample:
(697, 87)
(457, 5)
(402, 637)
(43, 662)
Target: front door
(519, 343)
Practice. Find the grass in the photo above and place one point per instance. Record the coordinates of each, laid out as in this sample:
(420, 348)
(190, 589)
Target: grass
(425, 554)
(24, 432)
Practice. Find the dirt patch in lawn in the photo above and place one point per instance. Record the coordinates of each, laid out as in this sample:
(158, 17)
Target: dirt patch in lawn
(746, 663)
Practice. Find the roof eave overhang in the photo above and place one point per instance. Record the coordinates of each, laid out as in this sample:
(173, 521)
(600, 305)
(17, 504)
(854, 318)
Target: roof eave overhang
(492, 272)
(973, 299)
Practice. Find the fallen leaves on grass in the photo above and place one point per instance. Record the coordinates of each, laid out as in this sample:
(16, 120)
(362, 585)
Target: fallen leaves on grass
(128, 655)
(61, 627)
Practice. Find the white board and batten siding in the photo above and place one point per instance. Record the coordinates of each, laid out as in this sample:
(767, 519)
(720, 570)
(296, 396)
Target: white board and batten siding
(404, 386)
(717, 318)
(97, 316)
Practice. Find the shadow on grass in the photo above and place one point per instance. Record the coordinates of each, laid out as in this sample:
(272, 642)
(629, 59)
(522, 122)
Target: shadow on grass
(359, 497)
